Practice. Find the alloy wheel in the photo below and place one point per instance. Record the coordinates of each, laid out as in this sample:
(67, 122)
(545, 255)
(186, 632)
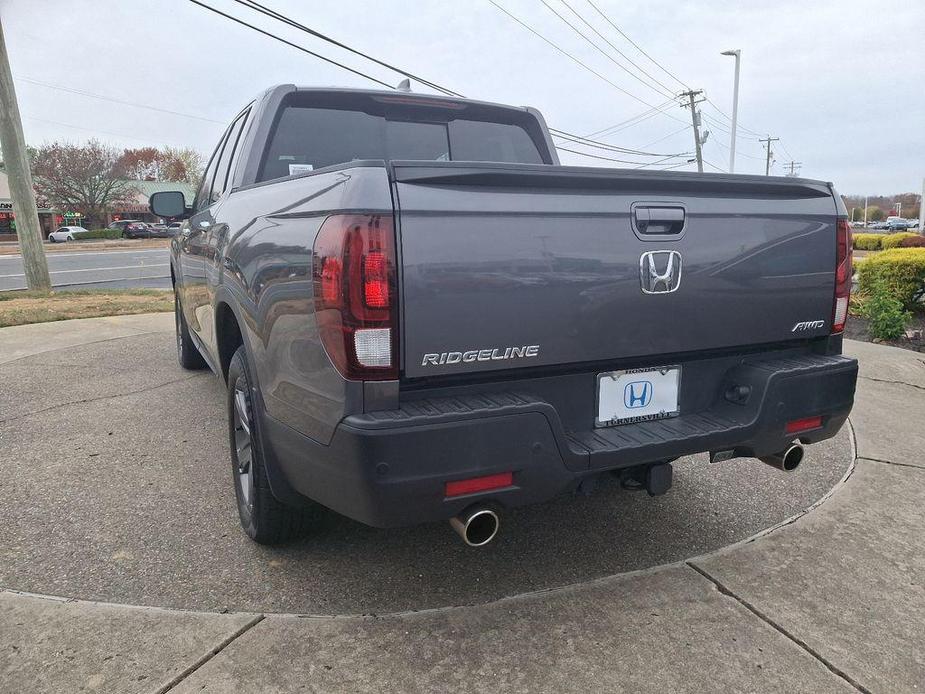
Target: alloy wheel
(243, 443)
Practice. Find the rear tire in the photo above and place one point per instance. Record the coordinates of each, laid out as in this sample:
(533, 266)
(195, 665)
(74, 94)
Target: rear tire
(264, 518)
(187, 353)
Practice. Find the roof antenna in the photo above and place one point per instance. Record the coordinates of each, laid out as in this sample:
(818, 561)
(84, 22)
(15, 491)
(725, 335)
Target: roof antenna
(404, 85)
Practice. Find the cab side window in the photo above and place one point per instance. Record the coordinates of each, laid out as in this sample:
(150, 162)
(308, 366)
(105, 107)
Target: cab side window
(204, 194)
(223, 175)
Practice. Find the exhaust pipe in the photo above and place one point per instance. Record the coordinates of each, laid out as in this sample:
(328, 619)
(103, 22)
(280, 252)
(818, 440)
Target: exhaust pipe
(787, 460)
(477, 525)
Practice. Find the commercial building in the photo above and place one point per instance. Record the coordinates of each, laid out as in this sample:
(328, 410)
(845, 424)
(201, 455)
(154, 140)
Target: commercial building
(50, 219)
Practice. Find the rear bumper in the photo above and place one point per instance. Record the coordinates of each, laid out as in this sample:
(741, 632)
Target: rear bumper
(390, 468)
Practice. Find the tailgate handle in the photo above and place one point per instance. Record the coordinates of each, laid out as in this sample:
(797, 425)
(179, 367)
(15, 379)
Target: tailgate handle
(658, 219)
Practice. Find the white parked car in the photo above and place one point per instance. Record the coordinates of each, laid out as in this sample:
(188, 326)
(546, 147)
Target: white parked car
(65, 234)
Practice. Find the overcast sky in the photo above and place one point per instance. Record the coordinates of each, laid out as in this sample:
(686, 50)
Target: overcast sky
(841, 83)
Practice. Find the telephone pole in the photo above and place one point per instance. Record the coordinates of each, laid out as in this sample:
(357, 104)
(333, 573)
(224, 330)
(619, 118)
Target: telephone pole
(16, 162)
(794, 168)
(767, 161)
(695, 121)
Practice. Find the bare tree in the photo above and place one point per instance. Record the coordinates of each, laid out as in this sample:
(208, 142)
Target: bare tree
(167, 164)
(142, 164)
(184, 165)
(86, 178)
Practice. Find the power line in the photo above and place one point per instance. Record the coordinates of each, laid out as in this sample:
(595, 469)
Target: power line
(739, 138)
(653, 163)
(263, 9)
(596, 156)
(283, 18)
(98, 131)
(290, 43)
(92, 95)
(629, 122)
(738, 153)
(638, 47)
(575, 12)
(574, 59)
(739, 126)
(655, 142)
(662, 92)
(601, 145)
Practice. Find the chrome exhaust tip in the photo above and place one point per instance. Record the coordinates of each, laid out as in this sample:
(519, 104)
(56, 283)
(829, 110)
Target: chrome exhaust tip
(787, 460)
(477, 526)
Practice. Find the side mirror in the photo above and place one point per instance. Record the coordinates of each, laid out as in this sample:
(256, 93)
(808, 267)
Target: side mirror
(168, 203)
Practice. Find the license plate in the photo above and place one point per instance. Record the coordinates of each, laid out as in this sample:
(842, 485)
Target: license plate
(637, 395)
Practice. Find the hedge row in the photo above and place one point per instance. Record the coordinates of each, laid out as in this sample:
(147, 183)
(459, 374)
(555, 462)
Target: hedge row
(101, 234)
(896, 240)
(877, 242)
(867, 242)
(898, 271)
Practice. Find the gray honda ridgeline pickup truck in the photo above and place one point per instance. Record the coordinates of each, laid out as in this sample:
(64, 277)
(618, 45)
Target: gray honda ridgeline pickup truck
(420, 314)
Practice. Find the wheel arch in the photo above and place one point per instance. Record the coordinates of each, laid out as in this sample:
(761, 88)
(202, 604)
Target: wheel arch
(229, 334)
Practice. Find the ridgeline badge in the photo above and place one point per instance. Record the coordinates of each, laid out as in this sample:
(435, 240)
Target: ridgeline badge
(496, 354)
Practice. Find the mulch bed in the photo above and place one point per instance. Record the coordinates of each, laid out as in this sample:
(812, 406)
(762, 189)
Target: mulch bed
(857, 330)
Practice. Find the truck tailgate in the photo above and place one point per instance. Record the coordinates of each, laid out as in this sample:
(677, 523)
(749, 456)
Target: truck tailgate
(573, 264)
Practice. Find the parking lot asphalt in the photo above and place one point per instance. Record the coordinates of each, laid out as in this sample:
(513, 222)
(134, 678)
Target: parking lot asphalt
(119, 489)
(94, 269)
(830, 601)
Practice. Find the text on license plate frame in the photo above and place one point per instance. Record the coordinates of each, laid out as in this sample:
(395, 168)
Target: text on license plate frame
(612, 389)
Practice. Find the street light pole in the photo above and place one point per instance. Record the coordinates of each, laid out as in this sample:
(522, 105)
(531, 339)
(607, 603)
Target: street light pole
(735, 110)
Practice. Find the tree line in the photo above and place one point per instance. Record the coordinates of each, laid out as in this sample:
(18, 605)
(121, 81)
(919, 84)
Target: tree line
(94, 178)
(879, 207)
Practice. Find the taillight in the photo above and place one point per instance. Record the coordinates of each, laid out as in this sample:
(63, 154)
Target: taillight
(842, 275)
(355, 295)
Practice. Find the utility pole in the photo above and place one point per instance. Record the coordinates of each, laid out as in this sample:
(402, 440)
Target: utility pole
(793, 165)
(767, 161)
(695, 121)
(16, 162)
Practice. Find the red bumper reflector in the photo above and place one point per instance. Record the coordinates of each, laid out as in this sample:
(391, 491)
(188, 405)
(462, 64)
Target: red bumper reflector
(798, 425)
(479, 484)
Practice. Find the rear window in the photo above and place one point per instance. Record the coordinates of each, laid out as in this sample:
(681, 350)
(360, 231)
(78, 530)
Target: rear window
(307, 138)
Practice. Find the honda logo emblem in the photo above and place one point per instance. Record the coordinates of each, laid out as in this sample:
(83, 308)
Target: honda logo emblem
(637, 394)
(660, 271)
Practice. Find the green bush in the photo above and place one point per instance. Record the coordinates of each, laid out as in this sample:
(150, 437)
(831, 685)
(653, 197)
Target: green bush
(895, 240)
(867, 242)
(886, 314)
(900, 270)
(101, 234)
(913, 242)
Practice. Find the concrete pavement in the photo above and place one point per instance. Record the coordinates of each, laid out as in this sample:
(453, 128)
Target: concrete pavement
(831, 601)
(121, 492)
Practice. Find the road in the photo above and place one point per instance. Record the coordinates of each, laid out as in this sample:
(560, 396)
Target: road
(95, 269)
